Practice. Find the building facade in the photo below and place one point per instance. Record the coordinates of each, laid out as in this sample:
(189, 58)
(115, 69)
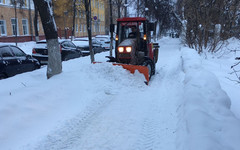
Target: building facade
(63, 14)
(16, 23)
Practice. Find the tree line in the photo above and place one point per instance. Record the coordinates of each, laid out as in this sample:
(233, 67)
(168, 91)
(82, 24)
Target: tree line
(203, 23)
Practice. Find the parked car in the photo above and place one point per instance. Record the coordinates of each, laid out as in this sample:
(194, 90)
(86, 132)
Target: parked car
(14, 61)
(83, 43)
(67, 48)
(104, 40)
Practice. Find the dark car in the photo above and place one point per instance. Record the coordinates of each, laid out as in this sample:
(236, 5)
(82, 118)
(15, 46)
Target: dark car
(83, 43)
(14, 61)
(67, 48)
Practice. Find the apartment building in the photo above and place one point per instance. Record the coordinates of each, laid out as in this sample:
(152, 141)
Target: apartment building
(16, 23)
(63, 14)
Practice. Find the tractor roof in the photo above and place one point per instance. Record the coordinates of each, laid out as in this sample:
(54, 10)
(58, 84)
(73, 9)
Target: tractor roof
(131, 19)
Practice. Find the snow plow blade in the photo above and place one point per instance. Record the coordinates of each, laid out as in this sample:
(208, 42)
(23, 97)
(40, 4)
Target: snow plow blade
(132, 68)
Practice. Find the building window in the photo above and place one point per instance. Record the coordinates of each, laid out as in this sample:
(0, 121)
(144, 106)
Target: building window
(38, 25)
(3, 31)
(84, 26)
(83, 14)
(25, 26)
(14, 26)
(76, 27)
(80, 28)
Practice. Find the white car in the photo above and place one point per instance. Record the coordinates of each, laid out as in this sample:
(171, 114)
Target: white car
(83, 43)
(105, 41)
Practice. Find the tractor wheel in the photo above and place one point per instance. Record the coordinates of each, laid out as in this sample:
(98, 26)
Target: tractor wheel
(154, 67)
(151, 69)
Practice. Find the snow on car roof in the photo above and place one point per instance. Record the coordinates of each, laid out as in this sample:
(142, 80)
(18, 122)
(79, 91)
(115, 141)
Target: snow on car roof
(6, 44)
(81, 43)
(81, 39)
(102, 36)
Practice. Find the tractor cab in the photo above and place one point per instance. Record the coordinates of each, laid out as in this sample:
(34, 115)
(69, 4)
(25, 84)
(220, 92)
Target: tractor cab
(132, 40)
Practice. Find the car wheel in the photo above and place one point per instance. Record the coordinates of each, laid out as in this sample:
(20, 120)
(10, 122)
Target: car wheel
(65, 59)
(3, 76)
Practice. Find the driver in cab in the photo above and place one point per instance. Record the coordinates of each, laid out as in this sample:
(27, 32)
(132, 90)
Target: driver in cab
(133, 34)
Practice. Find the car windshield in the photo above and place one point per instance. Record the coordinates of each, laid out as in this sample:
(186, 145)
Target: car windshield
(17, 52)
(81, 39)
(102, 38)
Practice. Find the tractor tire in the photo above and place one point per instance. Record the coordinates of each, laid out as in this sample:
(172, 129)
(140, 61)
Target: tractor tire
(151, 68)
(154, 66)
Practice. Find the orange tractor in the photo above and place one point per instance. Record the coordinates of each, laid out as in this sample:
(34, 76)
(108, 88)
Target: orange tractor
(134, 49)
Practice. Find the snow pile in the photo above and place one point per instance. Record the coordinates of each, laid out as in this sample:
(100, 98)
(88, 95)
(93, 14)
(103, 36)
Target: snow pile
(220, 64)
(206, 122)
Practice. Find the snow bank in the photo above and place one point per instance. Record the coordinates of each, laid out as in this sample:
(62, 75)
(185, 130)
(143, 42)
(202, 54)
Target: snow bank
(206, 122)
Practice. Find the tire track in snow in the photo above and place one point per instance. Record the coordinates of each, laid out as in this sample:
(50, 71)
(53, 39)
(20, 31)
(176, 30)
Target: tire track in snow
(159, 126)
(68, 134)
(149, 133)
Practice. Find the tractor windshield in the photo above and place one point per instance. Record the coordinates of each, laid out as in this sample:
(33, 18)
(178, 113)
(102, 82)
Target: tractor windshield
(130, 30)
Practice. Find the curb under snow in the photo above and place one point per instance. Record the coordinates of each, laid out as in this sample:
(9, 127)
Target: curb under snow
(206, 122)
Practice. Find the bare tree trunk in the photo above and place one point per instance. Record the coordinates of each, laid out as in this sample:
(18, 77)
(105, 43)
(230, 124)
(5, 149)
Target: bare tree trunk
(125, 11)
(30, 19)
(119, 7)
(16, 22)
(111, 23)
(138, 7)
(74, 16)
(89, 27)
(36, 23)
(50, 30)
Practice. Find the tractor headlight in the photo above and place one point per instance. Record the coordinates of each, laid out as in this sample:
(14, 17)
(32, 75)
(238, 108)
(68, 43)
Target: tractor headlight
(120, 49)
(128, 49)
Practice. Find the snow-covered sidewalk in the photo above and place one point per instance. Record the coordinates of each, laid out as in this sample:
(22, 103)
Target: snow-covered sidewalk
(104, 107)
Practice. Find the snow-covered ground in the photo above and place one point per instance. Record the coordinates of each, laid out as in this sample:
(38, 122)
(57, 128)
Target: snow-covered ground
(100, 107)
